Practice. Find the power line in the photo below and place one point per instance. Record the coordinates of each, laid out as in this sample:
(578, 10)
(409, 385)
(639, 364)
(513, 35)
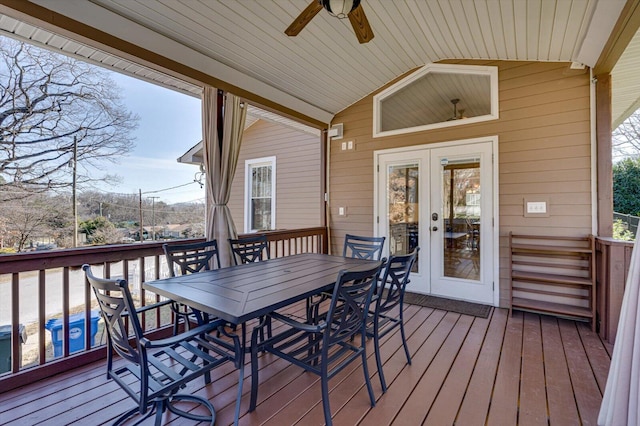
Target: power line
(167, 189)
(94, 188)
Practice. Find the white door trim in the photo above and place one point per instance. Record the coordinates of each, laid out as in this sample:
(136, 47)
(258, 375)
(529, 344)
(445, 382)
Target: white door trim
(495, 232)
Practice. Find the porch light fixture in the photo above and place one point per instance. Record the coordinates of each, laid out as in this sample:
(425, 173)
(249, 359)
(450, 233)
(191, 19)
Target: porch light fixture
(200, 176)
(340, 8)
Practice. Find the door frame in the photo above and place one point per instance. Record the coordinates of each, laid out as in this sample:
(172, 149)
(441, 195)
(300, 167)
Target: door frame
(495, 214)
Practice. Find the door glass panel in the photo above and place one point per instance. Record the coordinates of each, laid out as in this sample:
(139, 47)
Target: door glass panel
(403, 209)
(461, 213)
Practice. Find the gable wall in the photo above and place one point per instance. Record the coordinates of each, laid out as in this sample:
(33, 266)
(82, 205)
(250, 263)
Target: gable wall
(298, 200)
(544, 150)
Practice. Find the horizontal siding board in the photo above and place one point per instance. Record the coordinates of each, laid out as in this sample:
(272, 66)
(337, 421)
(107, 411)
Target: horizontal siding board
(570, 163)
(534, 99)
(515, 145)
(543, 176)
(549, 153)
(547, 187)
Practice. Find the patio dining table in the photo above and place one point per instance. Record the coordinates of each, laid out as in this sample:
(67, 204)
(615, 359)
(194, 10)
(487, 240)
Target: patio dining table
(240, 293)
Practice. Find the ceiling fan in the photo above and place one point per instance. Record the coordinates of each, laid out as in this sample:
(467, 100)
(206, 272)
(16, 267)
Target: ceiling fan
(340, 9)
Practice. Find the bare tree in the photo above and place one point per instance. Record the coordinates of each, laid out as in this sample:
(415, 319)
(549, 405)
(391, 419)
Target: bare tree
(626, 138)
(28, 219)
(50, 106)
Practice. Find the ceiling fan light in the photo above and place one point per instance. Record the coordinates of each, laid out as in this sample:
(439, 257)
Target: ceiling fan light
(340, 8)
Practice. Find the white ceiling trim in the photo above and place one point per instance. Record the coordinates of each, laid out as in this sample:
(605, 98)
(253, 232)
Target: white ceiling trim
(602, 23)
(114, 24)
(625, 83)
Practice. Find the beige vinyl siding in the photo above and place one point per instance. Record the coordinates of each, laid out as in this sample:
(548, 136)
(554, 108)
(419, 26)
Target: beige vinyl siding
(544, 150)
(298, 197)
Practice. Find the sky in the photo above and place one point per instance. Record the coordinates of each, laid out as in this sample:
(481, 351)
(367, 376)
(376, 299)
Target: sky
(170, 124)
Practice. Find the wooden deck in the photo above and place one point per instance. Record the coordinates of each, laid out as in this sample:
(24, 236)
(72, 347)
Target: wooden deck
(522, 369)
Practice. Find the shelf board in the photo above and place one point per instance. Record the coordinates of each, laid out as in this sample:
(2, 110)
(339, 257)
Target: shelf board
(550, 278)
(516, 247)
(551, 308)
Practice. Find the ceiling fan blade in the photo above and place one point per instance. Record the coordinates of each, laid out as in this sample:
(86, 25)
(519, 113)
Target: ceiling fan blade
(304, 18)
(360, 24)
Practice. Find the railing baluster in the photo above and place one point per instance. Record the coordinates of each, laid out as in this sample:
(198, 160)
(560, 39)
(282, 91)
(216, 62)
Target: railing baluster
(15, 321)
(87, 316)
(42, 351)
(65, 311)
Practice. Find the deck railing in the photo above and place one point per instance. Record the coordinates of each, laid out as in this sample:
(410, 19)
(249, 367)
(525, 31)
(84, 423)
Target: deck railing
(38, 286)
(44, 297)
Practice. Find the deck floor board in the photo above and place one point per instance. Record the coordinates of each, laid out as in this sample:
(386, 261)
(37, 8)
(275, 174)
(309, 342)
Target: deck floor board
(533, 395)
(514, 369)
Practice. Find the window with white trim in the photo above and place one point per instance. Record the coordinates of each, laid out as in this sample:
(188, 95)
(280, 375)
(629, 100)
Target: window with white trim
(436, 96)
(260, 194)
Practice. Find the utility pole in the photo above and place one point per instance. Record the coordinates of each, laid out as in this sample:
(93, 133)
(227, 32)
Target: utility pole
(153, 217)
(74, 196)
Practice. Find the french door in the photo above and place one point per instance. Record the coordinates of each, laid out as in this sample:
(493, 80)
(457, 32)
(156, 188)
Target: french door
(441, 199)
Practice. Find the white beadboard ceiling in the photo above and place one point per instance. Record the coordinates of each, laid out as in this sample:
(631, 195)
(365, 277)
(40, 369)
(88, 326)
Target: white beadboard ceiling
(324, 69)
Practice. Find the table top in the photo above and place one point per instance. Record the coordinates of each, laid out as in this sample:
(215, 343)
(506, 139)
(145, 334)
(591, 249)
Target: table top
(240, 293)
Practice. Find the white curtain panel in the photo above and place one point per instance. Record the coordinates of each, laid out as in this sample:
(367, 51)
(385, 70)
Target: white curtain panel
(220, 164)
(621, 400)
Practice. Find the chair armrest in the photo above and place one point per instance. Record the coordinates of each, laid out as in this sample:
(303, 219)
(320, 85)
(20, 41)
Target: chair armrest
(202, 329)
(153, 306)
(311, 328)
(148, 307)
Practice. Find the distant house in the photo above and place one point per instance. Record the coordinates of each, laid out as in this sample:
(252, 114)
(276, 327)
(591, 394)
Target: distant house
(278, 179)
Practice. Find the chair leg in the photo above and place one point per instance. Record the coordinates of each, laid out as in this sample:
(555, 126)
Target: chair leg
(239, 397)
(404, 342)
(325, 400)
(376, 346)
(254, 369)
(175, 324)
(367, 379)
(404, 337)
(160, 409)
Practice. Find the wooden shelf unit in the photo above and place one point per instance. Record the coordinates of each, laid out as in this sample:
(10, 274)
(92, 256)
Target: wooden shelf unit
(553, 275)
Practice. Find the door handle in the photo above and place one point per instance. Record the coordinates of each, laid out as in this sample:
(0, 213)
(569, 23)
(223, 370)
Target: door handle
(435, 228)
(434, 216)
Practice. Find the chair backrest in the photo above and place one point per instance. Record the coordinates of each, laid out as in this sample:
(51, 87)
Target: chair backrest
(395, 277)
(349, 306)
(115, 300)
(369, 248)
(249, 249)
(191, 257)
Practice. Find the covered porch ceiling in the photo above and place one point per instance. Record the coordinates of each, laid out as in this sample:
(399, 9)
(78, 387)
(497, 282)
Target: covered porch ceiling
(240, 46)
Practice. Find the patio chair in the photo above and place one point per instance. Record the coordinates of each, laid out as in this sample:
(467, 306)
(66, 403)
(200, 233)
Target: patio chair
(327, 347)
(360, 247)
(249, 249)
(155, 371)
(389, 303)
(473, 233)
(357, 247)
(190, 258)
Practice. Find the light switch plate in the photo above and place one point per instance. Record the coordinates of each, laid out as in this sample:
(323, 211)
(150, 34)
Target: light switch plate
(536, 207)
